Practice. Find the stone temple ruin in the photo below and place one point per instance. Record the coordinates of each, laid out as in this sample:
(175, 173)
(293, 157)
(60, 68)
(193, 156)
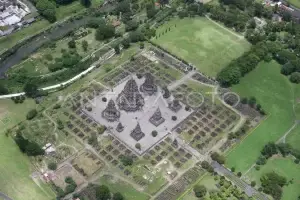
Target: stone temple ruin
(137, 133)
(139, 110)
(156, 118)
(175, 105)
(130, 99)
(148, 87)
(110, 113)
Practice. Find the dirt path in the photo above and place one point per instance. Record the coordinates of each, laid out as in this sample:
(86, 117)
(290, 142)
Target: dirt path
(228, 30)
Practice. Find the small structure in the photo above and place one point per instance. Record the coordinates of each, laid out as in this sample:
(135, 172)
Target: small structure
(175, 106)
(120, 127)
(157, 118)
(137, 133)
(49, 149)
(148, 87)
(130, 99)
(110, 113)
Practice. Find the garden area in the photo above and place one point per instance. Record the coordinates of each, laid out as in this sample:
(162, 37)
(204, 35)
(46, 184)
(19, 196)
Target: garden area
(202, 42)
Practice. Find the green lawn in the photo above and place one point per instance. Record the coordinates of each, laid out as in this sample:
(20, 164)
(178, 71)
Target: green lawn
(276, 95)
(15, 168)
(294, 137)
(284, 167)
(201, 42)
(295, 3)
(127, 190)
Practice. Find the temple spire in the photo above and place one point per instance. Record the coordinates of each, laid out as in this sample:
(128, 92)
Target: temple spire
(110, 113)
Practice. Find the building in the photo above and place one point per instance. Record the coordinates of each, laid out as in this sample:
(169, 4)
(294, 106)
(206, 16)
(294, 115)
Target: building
(12, 12)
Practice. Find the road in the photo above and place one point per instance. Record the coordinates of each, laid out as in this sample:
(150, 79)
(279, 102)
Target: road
(2, 195)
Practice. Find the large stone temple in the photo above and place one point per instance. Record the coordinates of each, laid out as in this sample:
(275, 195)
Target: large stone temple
(148, 87)
(130, 99)
(111, 113)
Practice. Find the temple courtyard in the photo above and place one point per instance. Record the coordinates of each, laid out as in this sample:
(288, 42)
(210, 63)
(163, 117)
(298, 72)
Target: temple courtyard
(134, 109)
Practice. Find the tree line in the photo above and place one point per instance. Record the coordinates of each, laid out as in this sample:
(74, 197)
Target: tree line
(47, 8)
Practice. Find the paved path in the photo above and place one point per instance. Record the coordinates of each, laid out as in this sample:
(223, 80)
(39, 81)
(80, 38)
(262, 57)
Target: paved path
(2, 195)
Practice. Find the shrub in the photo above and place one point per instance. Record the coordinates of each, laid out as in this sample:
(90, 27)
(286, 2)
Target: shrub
(31, 114)
(138, 146)
(253, 183)
(200, 191)
(127, 160)
(295, 77)
(154, 133)
(174, 118)
(239, 174)
(52, 166)
(104, 99)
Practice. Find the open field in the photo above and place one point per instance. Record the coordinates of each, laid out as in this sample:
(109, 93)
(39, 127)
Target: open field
(284, 167)
(276, 95)
(293, 138)
(116, 185)
(201, 42)
(15, 168)
(295, 3)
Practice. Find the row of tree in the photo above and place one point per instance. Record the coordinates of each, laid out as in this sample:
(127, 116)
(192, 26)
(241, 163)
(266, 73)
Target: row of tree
(47, 8)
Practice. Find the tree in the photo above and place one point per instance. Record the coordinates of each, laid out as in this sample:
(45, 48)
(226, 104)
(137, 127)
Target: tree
(72, 44)
(200, 191)
(253, 183)
(232, 169)
(154, 133)
(31, 90)
(118, 196)
(269, 150)
(126, 43)
(131, 25)
(151, 11)
(117, 49)
(47, 9)
(103, 193)
(272, 184)
(31, 114)
(105, 31)
(239, 174)
(295, 77)
(84, 45)
(52, 166)
(217, 157)
(142, 45)
(3, 90)
(86, 3)
(138, 146)
(33, 149)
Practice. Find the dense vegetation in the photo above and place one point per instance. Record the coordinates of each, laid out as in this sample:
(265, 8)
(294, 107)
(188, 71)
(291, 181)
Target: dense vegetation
(47, 8)
(28, 147)
(268, 42)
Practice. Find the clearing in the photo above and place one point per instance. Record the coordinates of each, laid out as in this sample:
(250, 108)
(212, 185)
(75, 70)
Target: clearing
(15, 168)
(295, 3)
(276, 95)
(284, 167)
(202, 42)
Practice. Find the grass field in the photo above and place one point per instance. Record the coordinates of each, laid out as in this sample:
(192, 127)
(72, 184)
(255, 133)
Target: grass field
(203, 43)
(127, 190)
(293, 137)
(276, 95)
(15, 168)
(284, 167)
(295, 3)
